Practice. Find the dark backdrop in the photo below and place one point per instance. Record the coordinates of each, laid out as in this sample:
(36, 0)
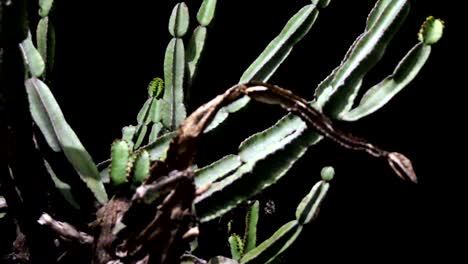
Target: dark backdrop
(107, 52)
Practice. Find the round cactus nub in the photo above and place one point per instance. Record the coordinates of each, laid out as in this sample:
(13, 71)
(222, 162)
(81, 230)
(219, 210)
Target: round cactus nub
(156, 87)
(327, 173)
(431, 30)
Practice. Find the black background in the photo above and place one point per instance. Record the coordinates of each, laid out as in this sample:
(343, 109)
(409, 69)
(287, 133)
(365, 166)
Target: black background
(108, 51)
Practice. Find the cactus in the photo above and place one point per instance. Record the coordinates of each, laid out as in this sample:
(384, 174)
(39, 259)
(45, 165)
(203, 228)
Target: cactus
(273, 55)
(288, 138)
(241, 246)
(141, 169)
(120, 155)
(159, 195)
(174, 69)
(336, 93)
(128, 133)
(150, 113)
(32, 57)
(46, 111)
(307, 210)
(431, 31)
(237, 246)
(197, 42)
(288, 233)
(127, 166)
(45, 35)
(285, 142)
(44, 7)
(251, 221)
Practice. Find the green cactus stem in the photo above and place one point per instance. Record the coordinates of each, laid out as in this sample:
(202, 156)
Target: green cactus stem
(141, 168)
(120, 158)
(236, 246)
(54, 124)
(251, 221)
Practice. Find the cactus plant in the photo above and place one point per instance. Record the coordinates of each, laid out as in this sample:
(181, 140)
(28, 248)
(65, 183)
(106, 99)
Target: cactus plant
(246, 251)
(288, 233)
(146, 202)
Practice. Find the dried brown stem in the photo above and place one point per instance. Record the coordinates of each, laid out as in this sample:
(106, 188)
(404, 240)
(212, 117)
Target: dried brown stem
(65, 230)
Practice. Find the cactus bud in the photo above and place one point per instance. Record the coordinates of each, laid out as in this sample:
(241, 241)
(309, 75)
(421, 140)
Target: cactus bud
(431, 30)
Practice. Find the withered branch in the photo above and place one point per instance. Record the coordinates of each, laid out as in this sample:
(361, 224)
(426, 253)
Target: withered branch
(65, 230)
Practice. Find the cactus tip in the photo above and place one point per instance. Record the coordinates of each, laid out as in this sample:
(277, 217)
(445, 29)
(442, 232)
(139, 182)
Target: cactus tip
(321, 3)
(431, 30)
(327, 173)
(156, 87)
